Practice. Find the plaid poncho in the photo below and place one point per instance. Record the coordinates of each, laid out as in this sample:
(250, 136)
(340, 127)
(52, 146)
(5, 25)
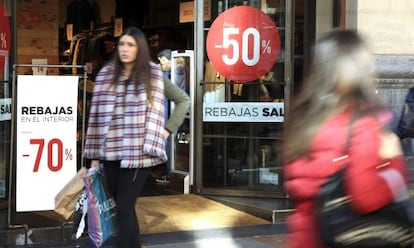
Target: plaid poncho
(139, 140)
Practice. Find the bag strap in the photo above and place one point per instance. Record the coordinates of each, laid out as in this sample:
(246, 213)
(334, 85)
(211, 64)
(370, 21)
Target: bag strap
(350, 129)
(355, 117)
(348, 142)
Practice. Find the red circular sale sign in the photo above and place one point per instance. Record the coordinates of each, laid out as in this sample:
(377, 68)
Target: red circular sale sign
(4, 39)
(243, 43)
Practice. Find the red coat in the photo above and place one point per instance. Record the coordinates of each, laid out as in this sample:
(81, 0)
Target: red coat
(368, 190)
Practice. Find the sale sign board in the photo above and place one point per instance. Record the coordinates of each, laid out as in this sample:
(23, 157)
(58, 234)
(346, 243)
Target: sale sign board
(5, 109)
(46, 122)
(243, 43)
(244, 112)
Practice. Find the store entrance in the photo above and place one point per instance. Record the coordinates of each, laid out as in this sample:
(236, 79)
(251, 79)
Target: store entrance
(176, 175)
(182, 68)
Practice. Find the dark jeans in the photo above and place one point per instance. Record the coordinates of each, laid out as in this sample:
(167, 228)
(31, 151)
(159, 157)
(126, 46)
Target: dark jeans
(126, 186)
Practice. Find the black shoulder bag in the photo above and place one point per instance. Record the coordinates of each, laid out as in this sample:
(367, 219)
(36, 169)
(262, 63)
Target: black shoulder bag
(341, 226)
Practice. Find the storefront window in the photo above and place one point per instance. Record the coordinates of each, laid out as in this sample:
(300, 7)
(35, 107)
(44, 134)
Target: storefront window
(5, 100)
(245, 155)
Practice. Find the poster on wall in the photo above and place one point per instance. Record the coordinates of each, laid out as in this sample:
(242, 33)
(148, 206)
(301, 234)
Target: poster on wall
(243, 43)
(46, 124)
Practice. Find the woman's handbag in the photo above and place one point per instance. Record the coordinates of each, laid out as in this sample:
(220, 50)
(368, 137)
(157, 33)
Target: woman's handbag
(101, 208)
(66, 199)
(341, 226)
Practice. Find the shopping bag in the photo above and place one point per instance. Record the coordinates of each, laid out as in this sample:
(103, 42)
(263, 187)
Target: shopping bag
(80, 217)
(101, 208)
(66, 199)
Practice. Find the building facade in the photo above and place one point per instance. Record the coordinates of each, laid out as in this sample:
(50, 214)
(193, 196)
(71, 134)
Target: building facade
(210, 155)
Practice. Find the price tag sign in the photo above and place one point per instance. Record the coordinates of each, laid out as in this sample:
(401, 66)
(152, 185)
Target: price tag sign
(243, 43)
(46, 139)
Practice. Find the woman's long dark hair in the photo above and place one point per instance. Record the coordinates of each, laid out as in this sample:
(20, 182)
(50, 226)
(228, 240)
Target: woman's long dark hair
(141, 71)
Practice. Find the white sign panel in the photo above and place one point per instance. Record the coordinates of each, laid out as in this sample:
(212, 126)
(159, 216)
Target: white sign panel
(5, 109)
(39, 70)
(46, 139)
(244, 112)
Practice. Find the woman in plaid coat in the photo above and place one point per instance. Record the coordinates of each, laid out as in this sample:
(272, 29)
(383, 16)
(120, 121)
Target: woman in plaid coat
(126, 127)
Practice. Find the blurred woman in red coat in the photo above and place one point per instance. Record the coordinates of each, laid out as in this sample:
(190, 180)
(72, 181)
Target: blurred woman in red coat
(340, 85)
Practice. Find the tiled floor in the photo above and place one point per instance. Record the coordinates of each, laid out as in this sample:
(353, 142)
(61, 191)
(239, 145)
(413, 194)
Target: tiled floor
(253, 236)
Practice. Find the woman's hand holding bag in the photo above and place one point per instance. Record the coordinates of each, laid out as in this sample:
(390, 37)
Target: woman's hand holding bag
(101, 208)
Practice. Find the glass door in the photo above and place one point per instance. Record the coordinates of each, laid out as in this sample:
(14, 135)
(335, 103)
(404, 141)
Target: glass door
(243, 158)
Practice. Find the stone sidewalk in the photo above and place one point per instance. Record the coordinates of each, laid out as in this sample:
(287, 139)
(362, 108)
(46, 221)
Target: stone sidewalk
(257, 236)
